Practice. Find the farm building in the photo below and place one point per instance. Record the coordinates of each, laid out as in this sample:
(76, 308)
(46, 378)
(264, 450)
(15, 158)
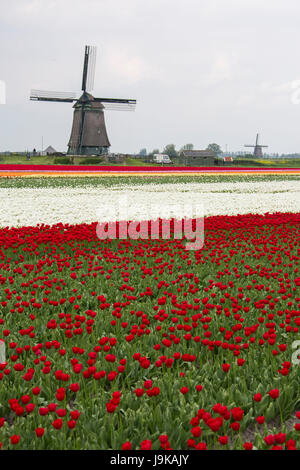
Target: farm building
(50, 150)
(198, 158)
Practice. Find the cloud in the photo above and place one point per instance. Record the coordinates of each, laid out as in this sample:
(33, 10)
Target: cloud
(222, 68)
(126, 66)
(276, 88)
(201, 70)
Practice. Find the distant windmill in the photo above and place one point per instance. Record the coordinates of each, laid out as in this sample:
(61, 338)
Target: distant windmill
(257, 147)
(88, 135)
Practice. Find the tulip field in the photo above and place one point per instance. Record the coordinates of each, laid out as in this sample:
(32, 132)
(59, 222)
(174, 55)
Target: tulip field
(139, 344)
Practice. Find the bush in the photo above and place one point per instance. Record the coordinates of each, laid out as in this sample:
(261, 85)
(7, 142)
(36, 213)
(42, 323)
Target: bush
(248, 163)
(90, 161)
(62, 161)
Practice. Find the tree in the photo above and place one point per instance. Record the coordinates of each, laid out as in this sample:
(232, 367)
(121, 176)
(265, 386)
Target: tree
(187, 147)
(143, 152)
(215, 148)
(154, 151)
(170, 150)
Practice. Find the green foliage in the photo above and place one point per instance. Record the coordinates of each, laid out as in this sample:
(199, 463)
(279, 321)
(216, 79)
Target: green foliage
(62, 161)
(131, 181)
(214, 148)
(187, 147)
(170, 150)
(91, 161)
(245, 162)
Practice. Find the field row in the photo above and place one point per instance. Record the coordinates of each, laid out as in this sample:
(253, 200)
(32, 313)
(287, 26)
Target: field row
(142, 344)
(89, 202)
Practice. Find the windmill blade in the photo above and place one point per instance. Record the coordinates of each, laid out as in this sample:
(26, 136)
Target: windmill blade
(88, 68)
(117, 104)
(60, 96)
(91, 68)
(249, 145)
(116, 100)
(116, 107)
(85, 67)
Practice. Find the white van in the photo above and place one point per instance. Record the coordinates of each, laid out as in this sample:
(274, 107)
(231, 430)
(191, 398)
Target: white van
(161, 158)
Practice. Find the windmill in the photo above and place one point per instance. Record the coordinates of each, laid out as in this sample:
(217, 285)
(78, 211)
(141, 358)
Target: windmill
(257, 147)
(88, 134)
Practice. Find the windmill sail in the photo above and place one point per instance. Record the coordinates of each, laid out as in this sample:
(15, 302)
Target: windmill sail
(117, 104)
(91, 68)
(89, 63)
(61, 96)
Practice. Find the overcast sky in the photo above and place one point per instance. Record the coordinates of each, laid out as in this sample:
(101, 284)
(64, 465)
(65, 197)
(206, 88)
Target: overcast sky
(202, 71)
